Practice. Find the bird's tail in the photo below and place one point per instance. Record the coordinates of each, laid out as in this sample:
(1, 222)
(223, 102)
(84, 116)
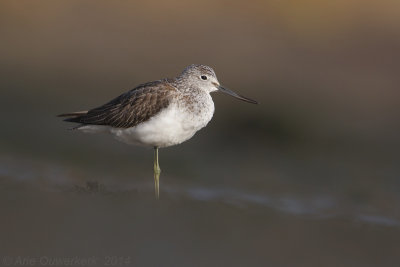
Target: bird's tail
(73, 116)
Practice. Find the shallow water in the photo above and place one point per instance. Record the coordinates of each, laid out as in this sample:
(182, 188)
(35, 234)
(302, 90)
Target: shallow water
(83, 212)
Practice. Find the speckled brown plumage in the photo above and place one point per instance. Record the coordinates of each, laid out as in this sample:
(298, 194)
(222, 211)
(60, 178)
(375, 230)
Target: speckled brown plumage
(129, 109)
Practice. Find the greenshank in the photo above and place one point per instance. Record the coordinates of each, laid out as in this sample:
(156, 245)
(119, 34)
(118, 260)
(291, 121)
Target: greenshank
(159, 114)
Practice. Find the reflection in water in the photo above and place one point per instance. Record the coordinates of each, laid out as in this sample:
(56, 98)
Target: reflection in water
(381, 220)
(55, 178)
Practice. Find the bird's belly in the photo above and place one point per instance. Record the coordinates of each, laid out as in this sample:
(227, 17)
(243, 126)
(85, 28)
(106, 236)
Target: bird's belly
(170, 127)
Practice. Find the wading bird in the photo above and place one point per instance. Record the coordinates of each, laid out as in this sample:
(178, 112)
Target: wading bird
(159, 114)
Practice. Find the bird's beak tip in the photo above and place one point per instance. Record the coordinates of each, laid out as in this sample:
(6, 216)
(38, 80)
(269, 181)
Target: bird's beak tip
(229, 92)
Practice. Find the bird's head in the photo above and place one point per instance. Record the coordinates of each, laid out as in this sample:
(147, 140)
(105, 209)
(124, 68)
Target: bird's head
(204, 77)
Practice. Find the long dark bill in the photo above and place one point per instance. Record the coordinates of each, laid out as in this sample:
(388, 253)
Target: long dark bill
(229, 92)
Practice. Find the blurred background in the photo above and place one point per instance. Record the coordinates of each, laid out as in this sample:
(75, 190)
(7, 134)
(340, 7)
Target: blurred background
(309, 177)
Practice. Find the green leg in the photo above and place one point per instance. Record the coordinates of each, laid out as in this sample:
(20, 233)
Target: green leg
(157, 172)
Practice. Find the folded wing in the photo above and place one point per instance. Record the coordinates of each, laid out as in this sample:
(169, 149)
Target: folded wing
(129, 109)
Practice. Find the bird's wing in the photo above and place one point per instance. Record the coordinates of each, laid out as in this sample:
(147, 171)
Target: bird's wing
(132, 107)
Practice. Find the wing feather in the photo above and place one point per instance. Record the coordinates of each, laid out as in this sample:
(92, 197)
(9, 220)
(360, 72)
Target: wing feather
(132, 107)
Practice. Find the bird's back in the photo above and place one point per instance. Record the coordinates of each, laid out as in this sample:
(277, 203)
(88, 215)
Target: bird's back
(129, 109)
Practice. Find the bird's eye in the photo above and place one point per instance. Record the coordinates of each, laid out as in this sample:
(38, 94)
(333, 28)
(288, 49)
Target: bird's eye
(203, 77)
